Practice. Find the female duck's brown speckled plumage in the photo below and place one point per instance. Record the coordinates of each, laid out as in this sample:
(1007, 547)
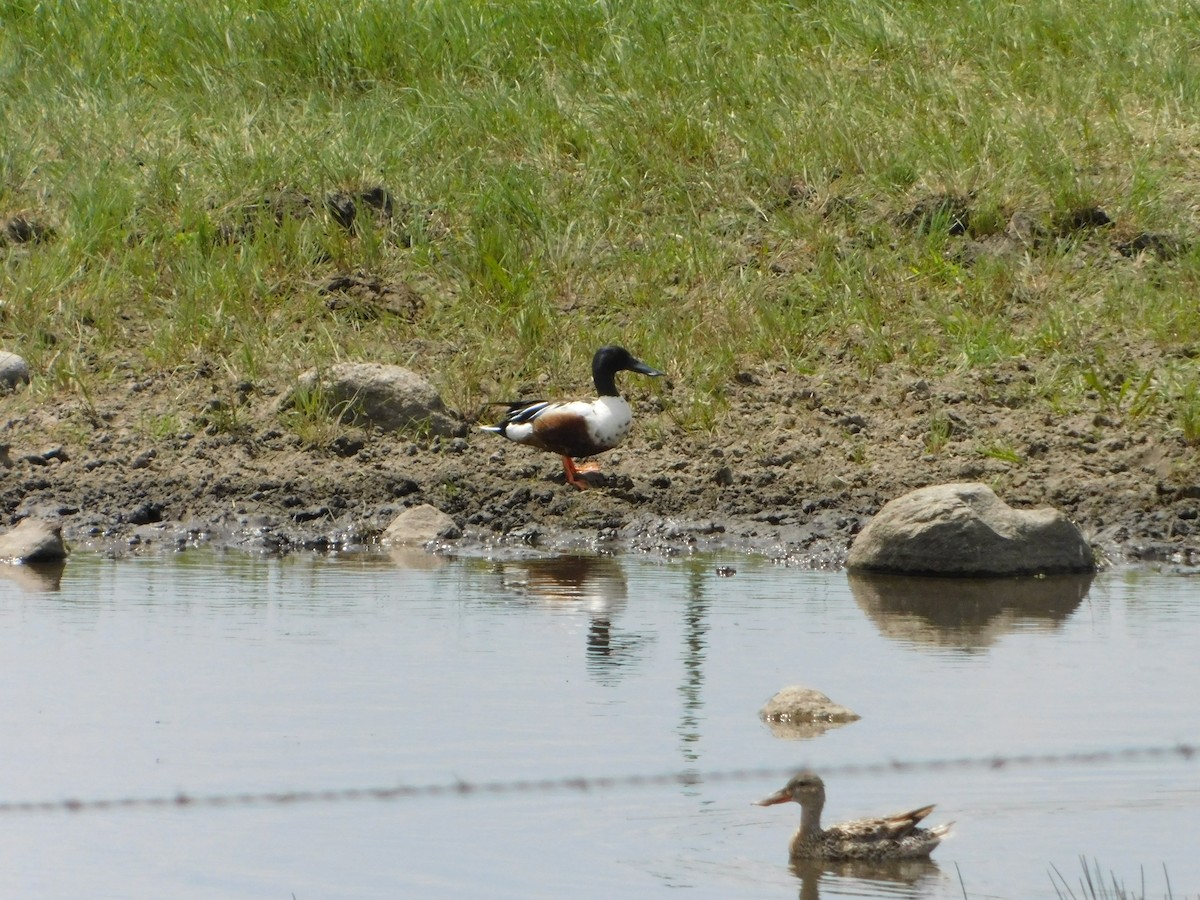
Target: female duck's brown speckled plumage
(889, 837)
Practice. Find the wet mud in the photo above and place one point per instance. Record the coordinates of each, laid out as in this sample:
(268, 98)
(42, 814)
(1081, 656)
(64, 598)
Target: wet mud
(799, 467)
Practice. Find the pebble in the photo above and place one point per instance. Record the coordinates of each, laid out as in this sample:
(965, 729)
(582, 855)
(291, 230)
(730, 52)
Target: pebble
(143, 460)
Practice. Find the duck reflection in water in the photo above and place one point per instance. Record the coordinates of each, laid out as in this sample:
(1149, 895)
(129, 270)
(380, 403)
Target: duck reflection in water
(597, 585)
(866, 877)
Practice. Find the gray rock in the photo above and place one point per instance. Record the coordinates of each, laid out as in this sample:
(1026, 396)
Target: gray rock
(966, 530)
(32, 541)
(14, 371)
(800, 713)
(372, 394)
(420, 525)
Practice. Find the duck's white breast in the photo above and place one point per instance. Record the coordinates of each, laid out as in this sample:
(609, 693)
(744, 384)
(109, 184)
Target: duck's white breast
(609, 420)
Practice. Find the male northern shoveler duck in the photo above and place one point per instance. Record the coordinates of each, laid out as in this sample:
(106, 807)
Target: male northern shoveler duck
(890, 837)
(575, 429)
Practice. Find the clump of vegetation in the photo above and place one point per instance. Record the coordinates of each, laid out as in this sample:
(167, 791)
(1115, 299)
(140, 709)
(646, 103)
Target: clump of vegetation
(924, 186)
(1188, 411)
(1093, 885)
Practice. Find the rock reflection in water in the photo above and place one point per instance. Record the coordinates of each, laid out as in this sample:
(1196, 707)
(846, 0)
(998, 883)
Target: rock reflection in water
(892, 877)
(34, 578)
(417, 558)
(596, 584)
(967, 614)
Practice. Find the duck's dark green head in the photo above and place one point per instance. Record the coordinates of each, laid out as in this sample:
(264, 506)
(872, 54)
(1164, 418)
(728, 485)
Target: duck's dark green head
(612, 359)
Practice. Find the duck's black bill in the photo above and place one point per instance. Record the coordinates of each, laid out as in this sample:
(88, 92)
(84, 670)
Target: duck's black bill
(643, 369)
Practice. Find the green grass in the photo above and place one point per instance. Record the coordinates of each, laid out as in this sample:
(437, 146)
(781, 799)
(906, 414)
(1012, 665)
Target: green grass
(313, 417)
(1002, 452)
(941, 429)
(1187, 412)
(712, 184)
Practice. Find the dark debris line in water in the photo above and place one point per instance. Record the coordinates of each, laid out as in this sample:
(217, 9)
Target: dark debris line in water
(1185, 752)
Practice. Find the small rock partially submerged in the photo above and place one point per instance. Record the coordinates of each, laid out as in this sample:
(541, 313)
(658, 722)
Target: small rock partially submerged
(798, 713)
(966, 530)
(391, 398)
(33, 541)
(420, 525)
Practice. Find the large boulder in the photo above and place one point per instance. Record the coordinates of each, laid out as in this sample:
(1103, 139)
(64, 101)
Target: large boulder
(14, 371)
(376, 395)
(965, 530)
(32, 541)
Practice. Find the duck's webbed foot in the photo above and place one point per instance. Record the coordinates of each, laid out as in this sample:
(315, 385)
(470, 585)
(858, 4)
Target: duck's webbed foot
(574, 472)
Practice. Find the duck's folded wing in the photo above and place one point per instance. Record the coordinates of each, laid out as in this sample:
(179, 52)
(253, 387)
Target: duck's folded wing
(903, 824)
(528, 410)
(525, 410)
(888, 827)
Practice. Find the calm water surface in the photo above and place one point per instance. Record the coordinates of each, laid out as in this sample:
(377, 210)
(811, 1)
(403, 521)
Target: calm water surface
(208, 673)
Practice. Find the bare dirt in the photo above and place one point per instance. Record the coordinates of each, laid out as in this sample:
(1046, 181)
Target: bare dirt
(796, 472)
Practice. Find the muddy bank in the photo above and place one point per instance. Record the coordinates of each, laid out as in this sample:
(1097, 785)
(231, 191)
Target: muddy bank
(799, 467)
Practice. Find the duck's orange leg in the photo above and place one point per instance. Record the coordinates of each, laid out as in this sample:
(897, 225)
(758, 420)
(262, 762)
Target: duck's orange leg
(573, 473)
